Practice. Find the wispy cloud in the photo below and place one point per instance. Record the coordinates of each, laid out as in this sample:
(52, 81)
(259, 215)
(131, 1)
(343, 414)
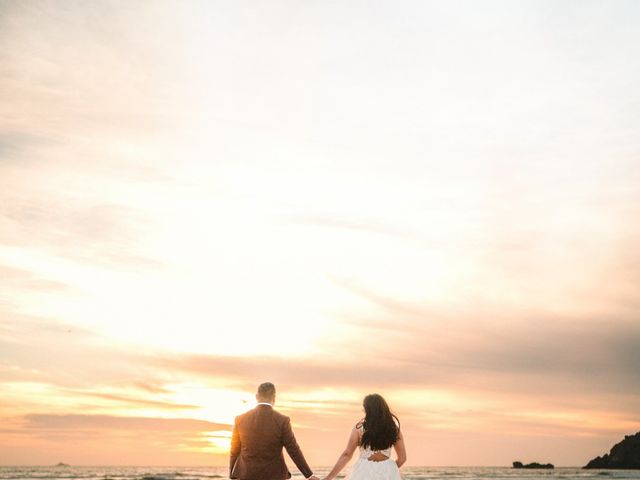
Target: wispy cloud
(70, 422)
(129, 400)
(177, 438)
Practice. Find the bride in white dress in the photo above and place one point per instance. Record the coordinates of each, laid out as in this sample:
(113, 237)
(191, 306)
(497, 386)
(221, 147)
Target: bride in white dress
(376, 435)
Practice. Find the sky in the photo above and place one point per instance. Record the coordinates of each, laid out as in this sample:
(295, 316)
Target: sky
(435, 201)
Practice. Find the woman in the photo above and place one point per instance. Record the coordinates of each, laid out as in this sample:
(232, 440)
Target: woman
(375, 435)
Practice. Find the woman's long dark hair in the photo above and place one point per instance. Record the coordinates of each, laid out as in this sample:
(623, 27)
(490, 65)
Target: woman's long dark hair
(381, 427)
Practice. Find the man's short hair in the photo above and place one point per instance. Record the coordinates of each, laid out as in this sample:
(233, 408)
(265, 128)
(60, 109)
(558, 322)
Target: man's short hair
(266, 390)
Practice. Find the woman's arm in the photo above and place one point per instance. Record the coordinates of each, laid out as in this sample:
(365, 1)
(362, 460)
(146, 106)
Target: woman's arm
(401, 452)
(345, 456)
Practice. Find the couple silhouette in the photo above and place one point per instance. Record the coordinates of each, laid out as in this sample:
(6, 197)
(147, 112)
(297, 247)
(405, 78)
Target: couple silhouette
(259, 435)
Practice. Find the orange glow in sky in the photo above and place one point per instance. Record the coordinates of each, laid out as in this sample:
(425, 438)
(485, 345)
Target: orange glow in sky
(436, 202)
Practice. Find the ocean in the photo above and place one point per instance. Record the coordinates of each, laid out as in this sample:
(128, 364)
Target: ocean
(408, 473)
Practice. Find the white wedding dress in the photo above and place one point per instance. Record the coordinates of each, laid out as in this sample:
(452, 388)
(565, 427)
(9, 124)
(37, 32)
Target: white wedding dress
(365, 469)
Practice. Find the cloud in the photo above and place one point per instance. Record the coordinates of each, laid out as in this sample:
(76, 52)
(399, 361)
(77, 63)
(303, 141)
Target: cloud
(550, 363)
(94, 439)
(73, 421)
(133, 401)
(367, 226)
(13, 143)
(101, 233)
(150, 387)
(513, 360)
(404, 312)
(77, 357)
(21, 279)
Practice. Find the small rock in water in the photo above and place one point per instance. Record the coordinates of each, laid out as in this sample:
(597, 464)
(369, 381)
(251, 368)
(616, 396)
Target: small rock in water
(532, 465)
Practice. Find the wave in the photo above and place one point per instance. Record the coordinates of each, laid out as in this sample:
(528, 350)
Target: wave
(220, 473)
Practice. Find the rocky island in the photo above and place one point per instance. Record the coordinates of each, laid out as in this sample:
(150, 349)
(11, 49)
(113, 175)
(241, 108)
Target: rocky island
(623, 455)
(532, 465)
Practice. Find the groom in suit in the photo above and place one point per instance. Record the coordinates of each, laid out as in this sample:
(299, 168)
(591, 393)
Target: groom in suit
(257, 441)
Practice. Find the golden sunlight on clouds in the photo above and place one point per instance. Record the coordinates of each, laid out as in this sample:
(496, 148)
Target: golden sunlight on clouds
(220, 441)
(213, 404)
(197, 197)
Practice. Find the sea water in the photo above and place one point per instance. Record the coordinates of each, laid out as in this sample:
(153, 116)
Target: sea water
(408, 473)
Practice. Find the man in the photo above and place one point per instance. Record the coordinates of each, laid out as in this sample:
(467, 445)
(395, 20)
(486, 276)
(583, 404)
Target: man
(257, 441)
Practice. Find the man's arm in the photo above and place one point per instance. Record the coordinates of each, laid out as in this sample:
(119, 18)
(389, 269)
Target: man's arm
(293, 449)
(235, 448)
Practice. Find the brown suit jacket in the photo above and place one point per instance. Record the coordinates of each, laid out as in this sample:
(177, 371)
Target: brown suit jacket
(256, 446)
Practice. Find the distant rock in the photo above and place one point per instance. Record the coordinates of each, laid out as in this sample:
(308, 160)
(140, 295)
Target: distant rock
(62, 464)
(623, 455)
(532, 465)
